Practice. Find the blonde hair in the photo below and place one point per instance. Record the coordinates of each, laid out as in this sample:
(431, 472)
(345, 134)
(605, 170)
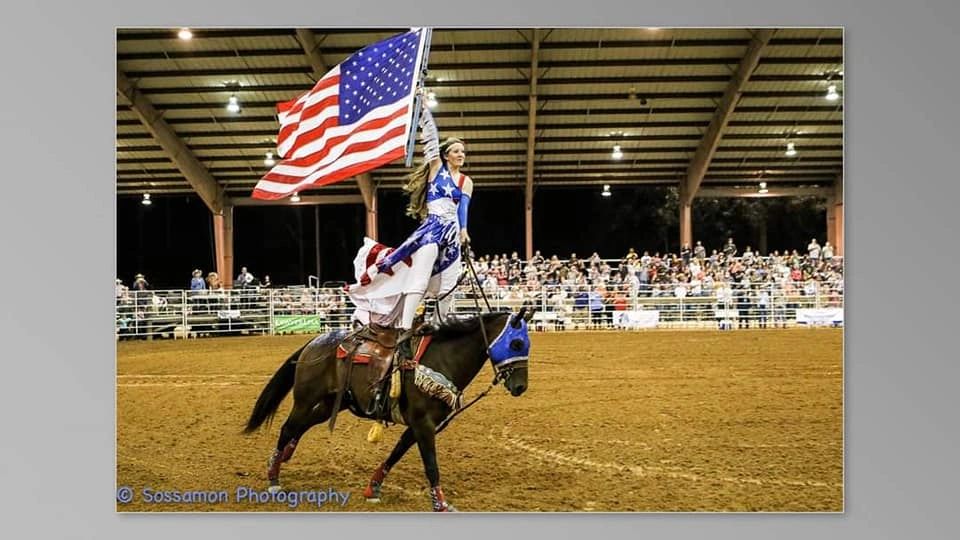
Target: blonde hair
(416, 184)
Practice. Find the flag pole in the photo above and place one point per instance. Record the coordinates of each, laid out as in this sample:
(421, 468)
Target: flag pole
(412, 141)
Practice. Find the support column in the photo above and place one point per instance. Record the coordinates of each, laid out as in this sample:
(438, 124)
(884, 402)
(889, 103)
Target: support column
(836, 207)
(372, 216)
(531, 142)
(686, 223)
(223, 240)
(763, 247)
(528, 219)
(831, 222)
(685, 200)
(369, 193)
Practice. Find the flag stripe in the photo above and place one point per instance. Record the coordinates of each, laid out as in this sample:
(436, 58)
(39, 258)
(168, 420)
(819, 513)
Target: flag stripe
(369, 140)
(269, 191)
(314, 102)
(290, 134)
(314, 152)
(313, 107)
(375, 147)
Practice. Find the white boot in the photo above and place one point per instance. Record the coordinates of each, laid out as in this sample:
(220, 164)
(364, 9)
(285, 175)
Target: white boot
(411, 301)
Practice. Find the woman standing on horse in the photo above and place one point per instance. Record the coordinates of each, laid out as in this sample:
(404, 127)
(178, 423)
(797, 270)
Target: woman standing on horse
(391, 284)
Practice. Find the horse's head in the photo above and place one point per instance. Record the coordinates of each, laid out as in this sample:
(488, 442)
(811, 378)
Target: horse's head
(510, 352)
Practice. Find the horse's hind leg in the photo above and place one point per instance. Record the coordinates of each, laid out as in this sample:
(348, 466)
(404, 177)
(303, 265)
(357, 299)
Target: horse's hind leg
(372, 492)
(300, 420)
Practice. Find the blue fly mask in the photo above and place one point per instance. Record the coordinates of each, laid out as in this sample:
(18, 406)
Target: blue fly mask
(512, 347)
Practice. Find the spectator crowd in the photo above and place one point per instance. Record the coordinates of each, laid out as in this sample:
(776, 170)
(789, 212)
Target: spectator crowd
(758, 287)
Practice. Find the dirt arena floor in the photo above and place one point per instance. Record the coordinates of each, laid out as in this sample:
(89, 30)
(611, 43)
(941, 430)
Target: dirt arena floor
(749, 420)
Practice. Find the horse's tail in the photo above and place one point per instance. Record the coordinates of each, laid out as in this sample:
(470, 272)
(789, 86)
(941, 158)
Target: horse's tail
(273, 394)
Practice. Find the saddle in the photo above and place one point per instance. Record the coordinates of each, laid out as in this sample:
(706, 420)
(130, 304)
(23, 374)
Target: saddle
(375, 346)
(372, 345)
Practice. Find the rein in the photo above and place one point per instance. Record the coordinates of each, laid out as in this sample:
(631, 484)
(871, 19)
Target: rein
(499, 375)
(498, 378)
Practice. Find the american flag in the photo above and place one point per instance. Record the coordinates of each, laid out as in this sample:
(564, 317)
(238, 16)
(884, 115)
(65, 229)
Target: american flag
(355, 119)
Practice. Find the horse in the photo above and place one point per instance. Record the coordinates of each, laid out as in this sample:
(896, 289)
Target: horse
(324, 384)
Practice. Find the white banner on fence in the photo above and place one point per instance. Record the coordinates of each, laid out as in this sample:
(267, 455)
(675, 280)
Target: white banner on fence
(820, 316)
(636, 319)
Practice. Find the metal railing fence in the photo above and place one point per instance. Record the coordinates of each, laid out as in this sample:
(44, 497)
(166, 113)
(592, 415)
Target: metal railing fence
(184, 313)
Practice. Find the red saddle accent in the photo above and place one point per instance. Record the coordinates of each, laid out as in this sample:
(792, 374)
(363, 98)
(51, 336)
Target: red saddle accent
(359, 357)
(411, 363)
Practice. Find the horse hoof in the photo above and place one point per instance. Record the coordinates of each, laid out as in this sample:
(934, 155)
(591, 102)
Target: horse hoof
(274, 489)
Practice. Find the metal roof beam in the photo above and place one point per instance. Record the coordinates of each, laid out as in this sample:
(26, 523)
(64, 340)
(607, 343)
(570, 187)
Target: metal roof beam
(733, 93)
(200, 34)
(772, 191)
(305, 200)
(481, 83)
(196, 174)
(562, 112)
(508, 65)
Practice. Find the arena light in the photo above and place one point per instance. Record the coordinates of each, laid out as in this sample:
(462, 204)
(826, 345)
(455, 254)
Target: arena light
(185, 34)
(295, 197)
(432, 100)
(763, 188)
(791, 150)
(269, 161)
(606, 190)
(233, 105)
(146, 200)
(617, 152)
(832, 94)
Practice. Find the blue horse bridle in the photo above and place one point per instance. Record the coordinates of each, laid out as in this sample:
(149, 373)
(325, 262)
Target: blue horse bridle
(511, 348)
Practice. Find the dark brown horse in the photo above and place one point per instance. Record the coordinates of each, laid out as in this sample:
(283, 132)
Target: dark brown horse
(457, 353)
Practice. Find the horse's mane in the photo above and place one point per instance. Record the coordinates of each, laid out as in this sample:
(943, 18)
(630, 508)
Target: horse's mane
(455, 326)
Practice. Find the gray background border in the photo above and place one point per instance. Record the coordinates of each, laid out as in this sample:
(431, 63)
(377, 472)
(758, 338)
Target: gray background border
(58, 230)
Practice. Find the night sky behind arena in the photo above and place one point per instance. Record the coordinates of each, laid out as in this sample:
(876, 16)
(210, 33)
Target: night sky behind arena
(168, 239)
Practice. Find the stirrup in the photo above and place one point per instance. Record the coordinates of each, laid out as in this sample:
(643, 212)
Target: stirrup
(376, 404)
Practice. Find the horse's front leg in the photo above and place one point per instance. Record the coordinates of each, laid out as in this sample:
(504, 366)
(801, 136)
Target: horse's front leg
(425, 434)
(372, 492)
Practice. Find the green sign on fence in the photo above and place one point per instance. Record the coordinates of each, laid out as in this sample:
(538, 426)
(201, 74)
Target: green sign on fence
(296, 324)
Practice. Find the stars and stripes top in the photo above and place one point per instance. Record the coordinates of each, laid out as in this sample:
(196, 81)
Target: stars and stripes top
(443, 195)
